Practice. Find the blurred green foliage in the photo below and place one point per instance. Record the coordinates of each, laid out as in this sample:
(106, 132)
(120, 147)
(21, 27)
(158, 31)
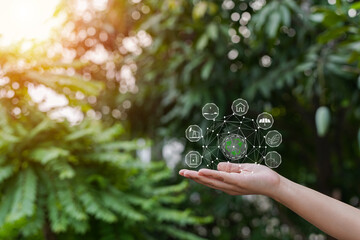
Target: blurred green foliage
(77, 180)
(298, 60)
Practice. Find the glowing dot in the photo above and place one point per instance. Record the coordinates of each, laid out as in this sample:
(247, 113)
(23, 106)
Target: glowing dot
(352, 12)
(228, 132)
(252, 119)
(217, 158)
(224, 121)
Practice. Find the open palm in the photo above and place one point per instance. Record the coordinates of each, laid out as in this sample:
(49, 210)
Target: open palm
(237, 179)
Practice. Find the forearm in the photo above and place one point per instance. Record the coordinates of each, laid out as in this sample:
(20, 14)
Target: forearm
(336, 218)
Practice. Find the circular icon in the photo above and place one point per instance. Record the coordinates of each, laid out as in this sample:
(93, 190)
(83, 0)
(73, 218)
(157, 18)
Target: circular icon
(240, 107)
(272, 159)
(193, 133)
(193, 159)
(265, 120)
(273, 138)
(210, 111)
(234, 146)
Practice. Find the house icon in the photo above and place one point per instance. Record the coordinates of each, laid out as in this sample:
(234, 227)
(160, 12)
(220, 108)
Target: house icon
(240, 107)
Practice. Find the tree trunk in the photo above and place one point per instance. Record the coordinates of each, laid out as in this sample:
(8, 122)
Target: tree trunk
(323, 165)
(48, 233)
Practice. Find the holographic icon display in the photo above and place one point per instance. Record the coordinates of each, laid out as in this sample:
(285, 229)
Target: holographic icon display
(210, 111)
(273, 138)
(240, 107)
(234, 146)
(193, 133)
(193, 159)
(265, 120)
(234, 138)
(272, 159)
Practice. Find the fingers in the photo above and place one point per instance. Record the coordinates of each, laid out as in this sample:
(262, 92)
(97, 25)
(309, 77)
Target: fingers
(214, 186)
(211, 173)
(181, 172)
(229, 167)
(226, 177)
(213, 183)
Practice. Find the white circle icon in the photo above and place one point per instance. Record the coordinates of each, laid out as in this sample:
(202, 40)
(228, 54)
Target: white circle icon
(210, 111)
(193, 159)
(240, 107)
(273, 138)
(273, 159)
(265, 120)
(193, 133)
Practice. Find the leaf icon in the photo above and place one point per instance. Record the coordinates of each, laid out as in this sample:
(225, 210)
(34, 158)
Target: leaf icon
(274, 139)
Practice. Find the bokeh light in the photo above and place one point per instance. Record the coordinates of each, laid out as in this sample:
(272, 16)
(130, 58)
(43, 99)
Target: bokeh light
(27, 20)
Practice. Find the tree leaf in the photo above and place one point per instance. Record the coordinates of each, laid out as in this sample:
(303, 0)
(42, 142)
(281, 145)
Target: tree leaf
(322, 120)
(273, 24)
(285, 15)
(207, 68)
(199, 10)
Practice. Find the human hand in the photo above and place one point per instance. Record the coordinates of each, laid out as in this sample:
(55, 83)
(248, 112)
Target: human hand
(237, 179)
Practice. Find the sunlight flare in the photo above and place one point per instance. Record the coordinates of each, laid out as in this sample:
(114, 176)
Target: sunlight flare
(26, 20)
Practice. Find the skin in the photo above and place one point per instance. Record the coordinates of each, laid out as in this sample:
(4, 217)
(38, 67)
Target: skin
(336, 218)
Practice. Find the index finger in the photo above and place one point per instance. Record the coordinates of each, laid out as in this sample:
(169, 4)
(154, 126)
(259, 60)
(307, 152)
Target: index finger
(226, 177)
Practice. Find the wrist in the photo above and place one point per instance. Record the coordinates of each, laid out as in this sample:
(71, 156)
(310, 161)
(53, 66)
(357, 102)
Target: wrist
(281, 190)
